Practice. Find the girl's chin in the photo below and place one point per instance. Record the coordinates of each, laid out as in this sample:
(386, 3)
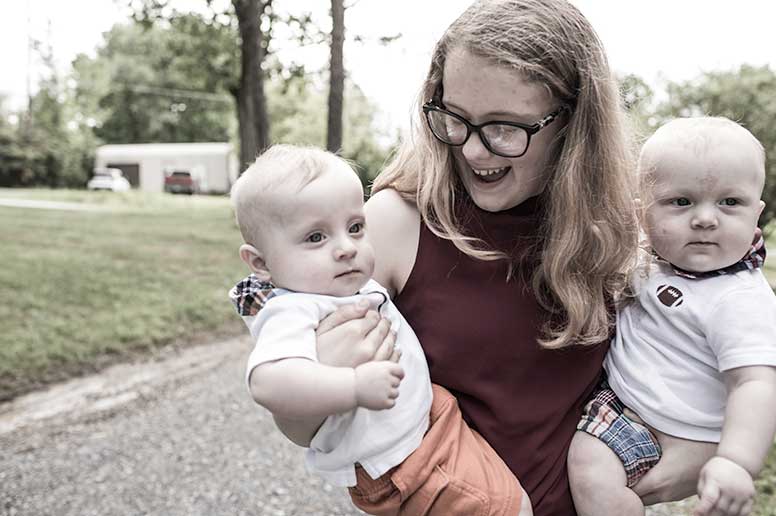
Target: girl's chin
(494, 203)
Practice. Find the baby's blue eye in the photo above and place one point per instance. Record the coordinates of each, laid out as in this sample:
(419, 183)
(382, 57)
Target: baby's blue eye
(358, 227)
(729, 202)
(315, 238)
(682, 201)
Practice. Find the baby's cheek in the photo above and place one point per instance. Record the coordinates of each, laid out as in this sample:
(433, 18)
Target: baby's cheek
(651, 224)
(657, 233)
(663, 240)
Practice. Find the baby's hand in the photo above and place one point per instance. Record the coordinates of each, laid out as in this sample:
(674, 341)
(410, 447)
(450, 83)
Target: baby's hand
(724, 489)
(377, 384)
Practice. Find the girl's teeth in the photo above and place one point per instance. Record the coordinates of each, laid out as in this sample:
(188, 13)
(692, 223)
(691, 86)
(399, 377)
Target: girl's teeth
(489, 172)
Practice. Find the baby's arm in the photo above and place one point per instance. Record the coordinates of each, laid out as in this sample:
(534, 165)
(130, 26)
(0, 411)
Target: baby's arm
(345, 338)
(726, 480)
(298, 388)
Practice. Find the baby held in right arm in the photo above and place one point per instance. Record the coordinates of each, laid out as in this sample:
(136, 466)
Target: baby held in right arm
(300, 211)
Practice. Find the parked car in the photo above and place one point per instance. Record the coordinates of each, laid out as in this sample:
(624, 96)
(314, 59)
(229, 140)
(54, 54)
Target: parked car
(111, 179)
(181, 181)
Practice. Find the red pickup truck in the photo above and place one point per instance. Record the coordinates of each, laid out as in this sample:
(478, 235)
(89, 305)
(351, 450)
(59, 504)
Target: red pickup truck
(181, 181)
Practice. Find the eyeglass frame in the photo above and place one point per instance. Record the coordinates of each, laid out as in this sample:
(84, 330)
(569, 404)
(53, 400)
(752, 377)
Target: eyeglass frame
(530, 129)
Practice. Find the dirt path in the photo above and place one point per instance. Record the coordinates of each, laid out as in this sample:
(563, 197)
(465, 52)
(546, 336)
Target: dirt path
(173, 437)
(177, 437)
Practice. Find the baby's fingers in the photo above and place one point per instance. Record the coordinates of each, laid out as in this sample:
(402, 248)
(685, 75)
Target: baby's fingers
(397, 372)
(378, 338)
(387, 348)
(708, 493)
(396, 355)
(342, 315)
(746, 509)
(740, 506)
(734, 508)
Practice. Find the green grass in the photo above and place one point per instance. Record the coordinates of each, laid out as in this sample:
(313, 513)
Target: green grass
(83, 289)
(765, 501)
(770, 260)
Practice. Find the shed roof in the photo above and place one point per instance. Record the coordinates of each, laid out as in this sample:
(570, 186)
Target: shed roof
(165, 149)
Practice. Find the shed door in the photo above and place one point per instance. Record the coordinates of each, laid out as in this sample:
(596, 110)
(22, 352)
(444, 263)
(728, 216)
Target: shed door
(131, 172)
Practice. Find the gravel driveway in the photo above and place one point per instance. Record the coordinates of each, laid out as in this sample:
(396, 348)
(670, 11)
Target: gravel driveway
(178, 436)
(184, 439)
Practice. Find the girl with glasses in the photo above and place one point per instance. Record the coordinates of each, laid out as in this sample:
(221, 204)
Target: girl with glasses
(504, 228)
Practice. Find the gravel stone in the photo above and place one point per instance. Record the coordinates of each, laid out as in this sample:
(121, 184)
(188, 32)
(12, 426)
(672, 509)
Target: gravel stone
(189, 445)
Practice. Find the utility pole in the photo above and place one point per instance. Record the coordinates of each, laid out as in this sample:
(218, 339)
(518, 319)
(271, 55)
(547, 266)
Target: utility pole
(27, 124)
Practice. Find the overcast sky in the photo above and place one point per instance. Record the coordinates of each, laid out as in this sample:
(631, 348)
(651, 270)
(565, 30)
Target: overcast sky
(657, 39)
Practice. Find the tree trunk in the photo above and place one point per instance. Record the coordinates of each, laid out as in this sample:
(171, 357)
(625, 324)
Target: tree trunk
(251, 102)
(246, 129)
(336, 78)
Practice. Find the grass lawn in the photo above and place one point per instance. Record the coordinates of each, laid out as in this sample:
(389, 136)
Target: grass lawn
(765, 501)
(83, 289)
(770, 260)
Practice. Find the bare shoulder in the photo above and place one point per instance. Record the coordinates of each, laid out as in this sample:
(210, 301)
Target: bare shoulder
(393, 225)
(386, 211)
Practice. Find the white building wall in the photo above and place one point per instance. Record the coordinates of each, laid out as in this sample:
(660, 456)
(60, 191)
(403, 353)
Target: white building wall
(151, 177)
(213, 164)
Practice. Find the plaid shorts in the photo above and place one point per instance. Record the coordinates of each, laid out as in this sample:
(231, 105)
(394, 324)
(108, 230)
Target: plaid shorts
(633, 443)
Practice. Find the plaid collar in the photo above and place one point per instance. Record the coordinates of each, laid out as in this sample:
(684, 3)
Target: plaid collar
(754, 259)
(250, 295)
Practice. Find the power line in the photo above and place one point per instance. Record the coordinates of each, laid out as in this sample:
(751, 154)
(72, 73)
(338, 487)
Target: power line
(188, 94)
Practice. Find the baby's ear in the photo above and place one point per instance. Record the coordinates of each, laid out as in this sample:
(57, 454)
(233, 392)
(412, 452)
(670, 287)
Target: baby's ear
(255, 261)
(762, 205)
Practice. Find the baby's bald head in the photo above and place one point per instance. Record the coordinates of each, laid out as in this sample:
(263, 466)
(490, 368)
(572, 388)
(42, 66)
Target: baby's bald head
(278, 174)
(703, 140)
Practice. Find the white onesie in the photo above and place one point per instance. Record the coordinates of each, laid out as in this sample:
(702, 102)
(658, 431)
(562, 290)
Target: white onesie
(677, 337)
(377, 440)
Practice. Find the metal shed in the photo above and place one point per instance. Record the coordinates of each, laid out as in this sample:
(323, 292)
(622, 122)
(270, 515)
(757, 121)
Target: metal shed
(145, 165)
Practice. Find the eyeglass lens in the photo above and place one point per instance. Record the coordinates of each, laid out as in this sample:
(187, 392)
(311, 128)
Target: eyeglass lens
(501, 138)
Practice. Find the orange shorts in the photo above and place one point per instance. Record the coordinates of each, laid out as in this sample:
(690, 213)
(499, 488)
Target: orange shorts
(453, 472)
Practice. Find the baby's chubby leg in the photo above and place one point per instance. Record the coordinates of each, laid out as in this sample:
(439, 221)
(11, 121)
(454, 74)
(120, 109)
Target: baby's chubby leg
(598, 480)
(675, 476)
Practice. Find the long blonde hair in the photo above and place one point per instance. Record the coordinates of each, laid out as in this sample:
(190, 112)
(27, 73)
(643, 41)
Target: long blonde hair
(588, 235)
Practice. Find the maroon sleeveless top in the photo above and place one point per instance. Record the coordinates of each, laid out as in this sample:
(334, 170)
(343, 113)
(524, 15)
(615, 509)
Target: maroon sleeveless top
(479, 334)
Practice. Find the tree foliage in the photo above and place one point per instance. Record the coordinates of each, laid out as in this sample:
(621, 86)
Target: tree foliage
(297, 117)
(172, 79)
(638, 99)
(154, 92)
(12, 154)
(43, 149)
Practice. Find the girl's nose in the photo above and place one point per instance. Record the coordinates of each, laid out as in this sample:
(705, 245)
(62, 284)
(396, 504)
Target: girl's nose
(474, 149)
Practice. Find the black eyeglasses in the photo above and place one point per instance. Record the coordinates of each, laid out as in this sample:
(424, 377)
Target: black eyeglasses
(506, 139)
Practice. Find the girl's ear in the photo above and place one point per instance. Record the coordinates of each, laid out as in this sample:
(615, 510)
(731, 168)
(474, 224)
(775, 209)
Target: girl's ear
(255, 262)
(762, 205)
